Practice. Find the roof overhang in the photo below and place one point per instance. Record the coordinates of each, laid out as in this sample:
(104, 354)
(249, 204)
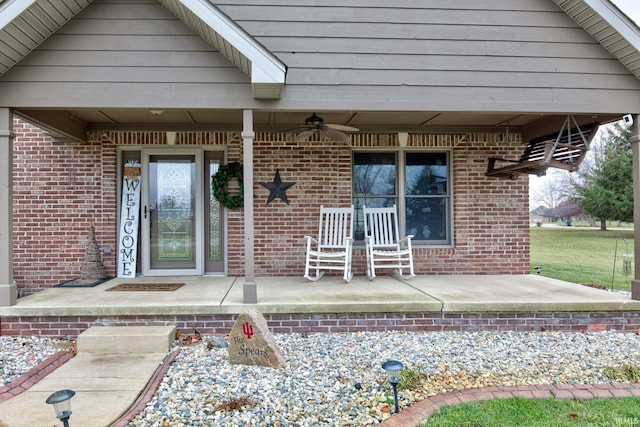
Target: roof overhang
(266, 70)
(609, 26)
(25, 24)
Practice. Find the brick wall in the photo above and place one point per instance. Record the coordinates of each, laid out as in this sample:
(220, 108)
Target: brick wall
(58, 193)
(491, 215)
(71, 326)
(60, 189)
(321, 172)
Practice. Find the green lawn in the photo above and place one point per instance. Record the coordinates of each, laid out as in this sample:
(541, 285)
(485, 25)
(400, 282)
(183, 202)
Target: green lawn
(579, 255)
(582, 255)
(539, 413)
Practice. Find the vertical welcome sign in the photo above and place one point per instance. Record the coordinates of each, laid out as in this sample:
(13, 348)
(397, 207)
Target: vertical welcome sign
(129, 220)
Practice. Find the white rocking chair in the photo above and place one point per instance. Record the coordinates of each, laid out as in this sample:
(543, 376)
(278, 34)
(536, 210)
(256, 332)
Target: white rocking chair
(384, 248)
(333, 247)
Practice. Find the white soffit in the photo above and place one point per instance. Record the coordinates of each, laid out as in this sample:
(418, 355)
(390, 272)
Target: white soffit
(266, 70)
(24, 24)
(609, 26)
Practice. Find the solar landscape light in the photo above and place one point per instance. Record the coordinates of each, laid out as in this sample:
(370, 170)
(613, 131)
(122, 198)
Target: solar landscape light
(61, 401)
(393, 368)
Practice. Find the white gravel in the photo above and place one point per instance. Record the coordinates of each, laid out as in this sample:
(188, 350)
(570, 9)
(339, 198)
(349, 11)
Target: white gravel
(337, 379)
(19, 354)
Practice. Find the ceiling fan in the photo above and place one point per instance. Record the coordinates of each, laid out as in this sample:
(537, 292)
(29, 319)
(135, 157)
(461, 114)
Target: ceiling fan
(315, 123)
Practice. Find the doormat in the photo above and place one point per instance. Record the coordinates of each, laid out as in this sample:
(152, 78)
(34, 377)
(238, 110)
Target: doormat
(148, 287)
(81, 283)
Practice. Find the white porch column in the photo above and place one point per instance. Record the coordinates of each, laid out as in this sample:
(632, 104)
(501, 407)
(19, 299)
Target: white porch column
(7, 288)
(250, 288)
(635, 144)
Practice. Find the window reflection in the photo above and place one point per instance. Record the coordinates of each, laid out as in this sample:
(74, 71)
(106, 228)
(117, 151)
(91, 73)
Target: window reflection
(424, 193)
(426, 174)
(426, 179)
(374, 174)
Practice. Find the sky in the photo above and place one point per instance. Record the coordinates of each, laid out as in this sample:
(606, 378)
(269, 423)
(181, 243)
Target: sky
(631, 8)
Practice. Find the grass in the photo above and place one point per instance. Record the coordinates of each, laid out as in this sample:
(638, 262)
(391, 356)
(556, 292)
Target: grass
(411, 379)
(582, 255)
(623, 372)
(520, 412)
(578, 255)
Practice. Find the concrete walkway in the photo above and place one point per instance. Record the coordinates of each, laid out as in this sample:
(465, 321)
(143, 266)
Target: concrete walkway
(108, 379)
(105, 385)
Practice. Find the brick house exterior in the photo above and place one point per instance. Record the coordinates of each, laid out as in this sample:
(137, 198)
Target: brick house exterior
(60, 190)
(235, 77)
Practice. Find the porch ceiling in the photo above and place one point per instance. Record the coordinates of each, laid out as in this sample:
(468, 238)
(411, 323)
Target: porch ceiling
(282, 121)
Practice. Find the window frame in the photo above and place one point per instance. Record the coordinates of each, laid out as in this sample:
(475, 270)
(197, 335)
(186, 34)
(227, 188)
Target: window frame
(401, 195)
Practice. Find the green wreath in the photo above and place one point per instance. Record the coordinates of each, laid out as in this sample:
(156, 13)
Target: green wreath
(220, 185)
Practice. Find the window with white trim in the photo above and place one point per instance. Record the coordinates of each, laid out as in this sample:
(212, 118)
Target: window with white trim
(417, 182)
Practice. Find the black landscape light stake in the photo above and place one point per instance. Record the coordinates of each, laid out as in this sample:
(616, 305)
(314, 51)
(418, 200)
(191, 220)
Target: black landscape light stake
(61, 401)
(393, 368)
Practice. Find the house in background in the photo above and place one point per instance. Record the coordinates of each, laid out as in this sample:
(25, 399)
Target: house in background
(540, 215)
(434, 88)
(566, 211)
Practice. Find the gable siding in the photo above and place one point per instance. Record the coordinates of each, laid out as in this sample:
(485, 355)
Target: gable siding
(458, 55)
(411, 55)
(123, 50)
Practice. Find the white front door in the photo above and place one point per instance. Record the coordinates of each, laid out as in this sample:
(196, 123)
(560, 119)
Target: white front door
(172, 212)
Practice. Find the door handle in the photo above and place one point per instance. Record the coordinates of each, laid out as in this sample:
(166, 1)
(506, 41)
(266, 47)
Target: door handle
(145, 212)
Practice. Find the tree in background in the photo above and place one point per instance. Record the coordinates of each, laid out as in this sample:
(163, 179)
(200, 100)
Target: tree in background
(550, 195)
(604, 189)
(568, 210)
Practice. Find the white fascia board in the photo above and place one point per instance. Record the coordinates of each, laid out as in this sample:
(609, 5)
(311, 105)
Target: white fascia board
(13, 9)
(263, 85)
(624, 26)
(266, 68)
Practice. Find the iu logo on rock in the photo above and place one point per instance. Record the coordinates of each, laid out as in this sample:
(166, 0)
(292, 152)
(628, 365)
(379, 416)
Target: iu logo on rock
(247, 330)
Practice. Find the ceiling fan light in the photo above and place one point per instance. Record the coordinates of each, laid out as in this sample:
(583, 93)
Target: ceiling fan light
(314, 120)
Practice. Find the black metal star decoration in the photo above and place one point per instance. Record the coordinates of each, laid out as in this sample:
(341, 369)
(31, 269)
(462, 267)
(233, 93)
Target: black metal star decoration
(277, 188)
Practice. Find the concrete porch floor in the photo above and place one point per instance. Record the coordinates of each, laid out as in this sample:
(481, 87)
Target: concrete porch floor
(224, 295)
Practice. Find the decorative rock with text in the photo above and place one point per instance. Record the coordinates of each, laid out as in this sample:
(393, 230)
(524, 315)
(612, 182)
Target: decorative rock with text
(251, 342)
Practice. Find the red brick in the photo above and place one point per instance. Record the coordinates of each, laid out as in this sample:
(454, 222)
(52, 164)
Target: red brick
(44, 171)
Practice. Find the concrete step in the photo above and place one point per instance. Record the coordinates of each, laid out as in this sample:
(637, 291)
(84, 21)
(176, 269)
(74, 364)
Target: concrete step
(126, 339)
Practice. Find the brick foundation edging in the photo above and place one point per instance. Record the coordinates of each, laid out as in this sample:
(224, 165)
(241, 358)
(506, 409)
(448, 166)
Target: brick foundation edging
(147, 393)
(35, 374)
(420, 411)
(69, 327)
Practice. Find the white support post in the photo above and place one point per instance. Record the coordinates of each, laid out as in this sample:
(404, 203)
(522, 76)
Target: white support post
(635, 144)
(8, 291)
(249, 288)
